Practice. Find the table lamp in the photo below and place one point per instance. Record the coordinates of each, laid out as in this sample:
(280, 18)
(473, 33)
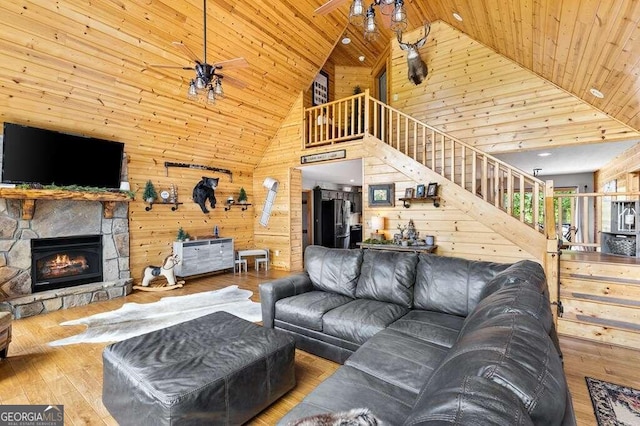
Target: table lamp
(377, 223)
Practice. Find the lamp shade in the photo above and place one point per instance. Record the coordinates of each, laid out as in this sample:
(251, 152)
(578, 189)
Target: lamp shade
(377, 223)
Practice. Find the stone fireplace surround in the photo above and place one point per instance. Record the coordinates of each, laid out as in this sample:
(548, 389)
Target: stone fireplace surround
(60, 218)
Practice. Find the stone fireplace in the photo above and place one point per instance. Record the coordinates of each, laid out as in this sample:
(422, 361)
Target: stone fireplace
(50, 277)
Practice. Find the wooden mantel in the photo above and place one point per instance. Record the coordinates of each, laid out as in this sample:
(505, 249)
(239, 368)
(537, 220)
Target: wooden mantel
(29, 197)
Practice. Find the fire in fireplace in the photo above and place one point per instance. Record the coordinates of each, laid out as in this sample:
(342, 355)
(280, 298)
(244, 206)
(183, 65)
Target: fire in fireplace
(65, 262)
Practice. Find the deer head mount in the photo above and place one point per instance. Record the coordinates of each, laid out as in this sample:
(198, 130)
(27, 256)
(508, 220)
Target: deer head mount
(417, 68)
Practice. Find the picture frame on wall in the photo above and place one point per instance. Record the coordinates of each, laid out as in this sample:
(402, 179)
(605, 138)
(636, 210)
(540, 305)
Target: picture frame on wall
(382, 195)
(408, 193)
(320, 89)
(432, 190)
(420, 191)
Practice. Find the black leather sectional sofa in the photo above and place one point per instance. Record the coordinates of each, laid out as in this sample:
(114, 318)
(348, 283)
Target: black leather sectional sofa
(424, 339)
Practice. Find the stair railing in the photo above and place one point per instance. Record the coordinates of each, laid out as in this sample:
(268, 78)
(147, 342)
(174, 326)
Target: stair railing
(517, 193)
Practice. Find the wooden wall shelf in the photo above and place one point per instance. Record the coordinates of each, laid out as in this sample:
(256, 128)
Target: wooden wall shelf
(406, 202)
(242, 206)
(174, 206)
(28, 198)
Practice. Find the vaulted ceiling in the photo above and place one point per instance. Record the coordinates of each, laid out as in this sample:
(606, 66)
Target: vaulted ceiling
(576, 44)
(85, 66)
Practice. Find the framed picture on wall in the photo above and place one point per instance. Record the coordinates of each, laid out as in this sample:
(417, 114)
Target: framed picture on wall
(382, 195)
(320, 89)
(432, 190)
(420, 191)
(408, 193)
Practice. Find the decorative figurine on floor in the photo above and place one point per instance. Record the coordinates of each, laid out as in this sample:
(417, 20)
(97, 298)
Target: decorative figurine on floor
(205, 190)
(166, 271)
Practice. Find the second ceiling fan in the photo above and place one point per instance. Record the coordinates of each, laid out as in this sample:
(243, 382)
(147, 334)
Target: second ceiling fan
(394, 15)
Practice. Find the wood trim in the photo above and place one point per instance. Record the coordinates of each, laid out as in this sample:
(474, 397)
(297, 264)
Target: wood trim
(28, 198)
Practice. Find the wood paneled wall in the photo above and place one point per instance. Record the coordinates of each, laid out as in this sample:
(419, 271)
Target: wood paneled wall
(456, 234)
(625, 168)
(84, 67)
(347, 78)
(491, 102)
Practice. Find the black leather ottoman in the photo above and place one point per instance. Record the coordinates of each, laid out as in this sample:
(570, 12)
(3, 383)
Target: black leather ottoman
(217, 369)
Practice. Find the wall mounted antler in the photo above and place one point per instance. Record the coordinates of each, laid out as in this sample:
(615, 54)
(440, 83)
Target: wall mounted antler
(417, 68)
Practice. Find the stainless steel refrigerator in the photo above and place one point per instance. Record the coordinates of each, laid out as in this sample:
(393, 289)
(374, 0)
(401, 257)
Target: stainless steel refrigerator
(335, 223)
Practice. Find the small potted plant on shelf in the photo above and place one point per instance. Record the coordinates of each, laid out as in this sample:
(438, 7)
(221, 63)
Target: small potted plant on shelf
(242, 197)
(182, 235)
(150, 193)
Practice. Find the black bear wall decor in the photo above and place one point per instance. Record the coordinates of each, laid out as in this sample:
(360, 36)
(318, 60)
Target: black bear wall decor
(205, 190)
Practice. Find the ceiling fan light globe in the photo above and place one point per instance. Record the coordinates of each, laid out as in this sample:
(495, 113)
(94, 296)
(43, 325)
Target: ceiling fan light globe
(356, 13)
(192, 93)
(218, 91)
(370, 21)
(200, 83)
(211, 96)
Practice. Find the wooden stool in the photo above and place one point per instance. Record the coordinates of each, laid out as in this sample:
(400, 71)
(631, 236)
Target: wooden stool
(5, 333)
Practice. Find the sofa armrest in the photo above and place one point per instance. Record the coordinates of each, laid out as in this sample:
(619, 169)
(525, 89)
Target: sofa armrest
(273, 291)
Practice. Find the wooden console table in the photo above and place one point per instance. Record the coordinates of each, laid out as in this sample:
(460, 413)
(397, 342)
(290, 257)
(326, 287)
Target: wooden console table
(396, 247)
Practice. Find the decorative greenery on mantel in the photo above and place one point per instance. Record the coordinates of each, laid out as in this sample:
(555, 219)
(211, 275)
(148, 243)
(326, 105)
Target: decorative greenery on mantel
(76, 188)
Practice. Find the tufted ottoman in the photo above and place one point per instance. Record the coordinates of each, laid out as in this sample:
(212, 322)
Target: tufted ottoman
(216, 369)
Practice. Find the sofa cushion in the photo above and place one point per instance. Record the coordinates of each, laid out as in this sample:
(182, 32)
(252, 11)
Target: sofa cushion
(524, 272)
(307, 309)
(470, 400)
(434, 327)
(515, 352)
(333, 270)
(358, 320)
(399, 359)
(523, 300)
(351, 388)
(387, 276)
(451, 285)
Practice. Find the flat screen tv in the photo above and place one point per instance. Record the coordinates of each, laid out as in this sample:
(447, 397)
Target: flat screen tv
(39, 156)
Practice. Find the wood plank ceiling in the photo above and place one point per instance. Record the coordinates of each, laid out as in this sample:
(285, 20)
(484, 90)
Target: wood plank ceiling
(83, 66)
(576, 44)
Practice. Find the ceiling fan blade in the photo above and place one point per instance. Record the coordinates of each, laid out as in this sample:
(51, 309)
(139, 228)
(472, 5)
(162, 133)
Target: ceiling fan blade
(232, 63)
(234, 82)
(329, 6)
(171, 66)
(386, 20)
(184, 49)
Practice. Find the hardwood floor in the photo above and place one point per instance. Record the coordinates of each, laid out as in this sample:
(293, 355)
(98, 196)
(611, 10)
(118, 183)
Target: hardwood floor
(35, 373)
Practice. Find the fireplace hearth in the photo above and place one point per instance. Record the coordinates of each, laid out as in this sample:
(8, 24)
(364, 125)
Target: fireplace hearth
(65, 262)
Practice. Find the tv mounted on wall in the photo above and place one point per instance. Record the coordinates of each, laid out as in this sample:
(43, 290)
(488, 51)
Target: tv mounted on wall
(38, 156)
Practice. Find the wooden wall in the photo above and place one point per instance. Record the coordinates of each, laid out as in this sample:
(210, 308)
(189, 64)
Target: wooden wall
(347, 78)
(455, 232)
(625, 169)
(84, 67)
(491, 102)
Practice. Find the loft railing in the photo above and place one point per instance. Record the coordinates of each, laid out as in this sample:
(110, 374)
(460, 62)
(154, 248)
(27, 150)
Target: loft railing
(515, 192)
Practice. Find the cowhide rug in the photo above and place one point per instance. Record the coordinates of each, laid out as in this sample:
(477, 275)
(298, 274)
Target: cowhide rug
(134, 319)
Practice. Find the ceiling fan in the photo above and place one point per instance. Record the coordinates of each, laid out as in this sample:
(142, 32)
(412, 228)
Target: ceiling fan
(394, 15)
(208, 79)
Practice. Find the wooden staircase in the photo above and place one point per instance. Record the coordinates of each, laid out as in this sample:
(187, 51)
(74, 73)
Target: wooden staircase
(496, 194)
(601, 298)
